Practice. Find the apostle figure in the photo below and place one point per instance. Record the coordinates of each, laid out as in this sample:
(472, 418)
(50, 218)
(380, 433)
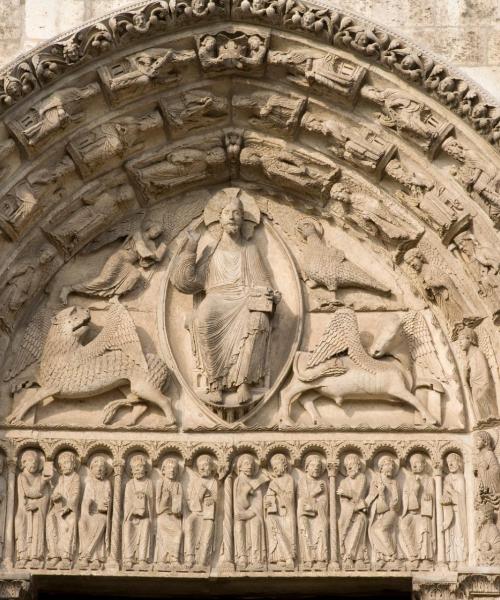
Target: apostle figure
(353, 520)
(417, 521)
(383, 500)
(488, 541)
(454, 512)
(312, 515)
(249, 535)
(33, 491)
(234, 302)
(168, 516)
(201, 498)
(487, 468)
(94, 527)
(137, 516)
(62, 519)
(279, 504)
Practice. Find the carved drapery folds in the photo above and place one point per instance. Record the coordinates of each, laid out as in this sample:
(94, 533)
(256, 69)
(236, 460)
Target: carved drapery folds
(265, 221)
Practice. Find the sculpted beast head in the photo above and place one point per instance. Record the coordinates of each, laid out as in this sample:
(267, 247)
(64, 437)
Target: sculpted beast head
(71, 322)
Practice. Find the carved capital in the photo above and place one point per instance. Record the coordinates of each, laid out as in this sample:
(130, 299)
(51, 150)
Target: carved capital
(18, 589)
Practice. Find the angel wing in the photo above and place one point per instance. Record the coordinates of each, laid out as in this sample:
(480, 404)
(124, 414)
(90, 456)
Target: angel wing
(340, 336)
(118, 333)
(31, 346)
(420, 343)
(118, 231)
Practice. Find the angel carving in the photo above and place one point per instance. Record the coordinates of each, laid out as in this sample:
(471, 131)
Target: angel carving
(340, 368)
(69, 369)
(125, 268)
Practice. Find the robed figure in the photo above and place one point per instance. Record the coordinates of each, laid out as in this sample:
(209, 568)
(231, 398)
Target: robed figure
(33, 491)
(454, 512)
(62, 519)
(249, 532)
(168, 516)
(137, 516)
(233, 305)
(417, 521)
(94, 527)
(312, 515)
(353, 520)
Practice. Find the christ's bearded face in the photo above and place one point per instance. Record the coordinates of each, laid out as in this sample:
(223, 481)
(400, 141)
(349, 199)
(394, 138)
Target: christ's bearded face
(231, 218)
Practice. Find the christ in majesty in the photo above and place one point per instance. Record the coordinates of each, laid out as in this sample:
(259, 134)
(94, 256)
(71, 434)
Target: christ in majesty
(231, 323)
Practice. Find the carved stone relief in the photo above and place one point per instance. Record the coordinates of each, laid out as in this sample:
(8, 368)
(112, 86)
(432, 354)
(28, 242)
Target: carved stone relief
(226, 230)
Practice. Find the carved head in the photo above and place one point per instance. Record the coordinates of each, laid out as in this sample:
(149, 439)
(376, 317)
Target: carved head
(387, 466)
(414, 259)
(152, 230)
(454, 462)
(482, 439)
(308, 19)
(417, 463)
(30, 461)
(352, 464)
(310, 228)
(47, 255)
(138, 466)
(279, 464)
(13, 87)
(139, 20)
(169, 468)
(72, 321)
(485, 514)
(66, 462)
(314, 466)
(231, 216)
(341, 193)
(467, 338)
(452, 147)
(254, 42)
(246, 465)
(98, 467)
(71, 52)
(205, 465)
(208, 43)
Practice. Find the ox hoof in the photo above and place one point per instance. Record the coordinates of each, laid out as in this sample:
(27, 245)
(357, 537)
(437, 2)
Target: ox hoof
(286, 423)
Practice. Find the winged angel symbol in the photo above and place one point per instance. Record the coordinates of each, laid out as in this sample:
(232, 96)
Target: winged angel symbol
(69, 369)
(340, 368)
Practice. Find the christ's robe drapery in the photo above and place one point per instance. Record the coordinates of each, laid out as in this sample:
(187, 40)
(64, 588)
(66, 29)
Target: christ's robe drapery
(168, 521)
(33, 502)
(94, 519)
(229, 339)
(63, 517)
(137, 520)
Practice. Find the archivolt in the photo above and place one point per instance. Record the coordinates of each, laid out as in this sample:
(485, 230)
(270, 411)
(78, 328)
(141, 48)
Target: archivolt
(328, 109)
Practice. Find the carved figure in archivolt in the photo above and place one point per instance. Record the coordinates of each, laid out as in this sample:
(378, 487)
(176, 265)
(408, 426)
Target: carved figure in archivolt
(328, 267)
(231, 51)
(312, 515)
(249, 532)
(437, 286)
(94, 527)
(22, 282)
(62, 519)
(488, 535)
(3, 504)
(70, 369)
(124, 269)
(201, 499)
(417, 520)
(33, 493)
(487, 466)
(138, 72)
(339, 368)
(274, 111)
(138, 507)
(193, 109)
(384, 502)
(279, 505)
(231, 323)
(54, 113)
(353, 520)
(478, 375)
(453, 501)
(169, 504)
(379, 219)
(325, 72)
